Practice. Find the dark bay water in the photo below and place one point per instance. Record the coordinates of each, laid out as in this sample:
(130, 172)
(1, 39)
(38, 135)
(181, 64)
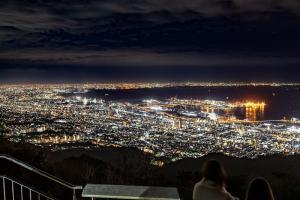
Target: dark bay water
(281, 101)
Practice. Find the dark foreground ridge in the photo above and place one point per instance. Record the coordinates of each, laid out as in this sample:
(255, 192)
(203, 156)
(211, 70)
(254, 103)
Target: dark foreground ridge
(132, 167)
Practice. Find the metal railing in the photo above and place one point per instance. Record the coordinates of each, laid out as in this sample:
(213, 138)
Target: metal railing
(43, 174)
(16, 190)
(13, 191)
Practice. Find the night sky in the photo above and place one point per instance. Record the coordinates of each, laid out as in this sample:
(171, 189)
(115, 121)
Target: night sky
(149, 40)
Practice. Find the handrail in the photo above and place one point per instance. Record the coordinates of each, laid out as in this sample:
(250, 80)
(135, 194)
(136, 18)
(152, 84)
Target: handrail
(42, 173)
(23, 186)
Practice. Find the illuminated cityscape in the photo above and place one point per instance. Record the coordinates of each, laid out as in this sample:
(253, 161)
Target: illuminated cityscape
(64, 116)
(150, 99)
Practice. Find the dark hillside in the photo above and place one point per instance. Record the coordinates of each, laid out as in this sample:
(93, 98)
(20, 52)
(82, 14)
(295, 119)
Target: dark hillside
(132, 167)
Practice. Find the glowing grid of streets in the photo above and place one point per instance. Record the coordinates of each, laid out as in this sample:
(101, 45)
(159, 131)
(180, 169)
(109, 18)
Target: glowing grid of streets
(173, 128)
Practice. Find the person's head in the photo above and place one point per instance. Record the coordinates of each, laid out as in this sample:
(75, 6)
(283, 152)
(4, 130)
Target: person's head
(259, 189)
(214, 171)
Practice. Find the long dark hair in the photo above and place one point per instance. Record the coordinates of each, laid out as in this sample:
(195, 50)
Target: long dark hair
(214, 171)
(259, 189)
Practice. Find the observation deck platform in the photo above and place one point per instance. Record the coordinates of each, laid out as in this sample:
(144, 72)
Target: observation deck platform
(129, 192)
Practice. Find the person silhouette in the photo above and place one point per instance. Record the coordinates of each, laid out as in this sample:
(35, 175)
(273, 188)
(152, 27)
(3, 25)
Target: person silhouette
(259, 189)
(212, 185)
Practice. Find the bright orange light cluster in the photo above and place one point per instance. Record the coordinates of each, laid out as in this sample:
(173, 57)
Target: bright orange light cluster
(251, 104)
(254, 105)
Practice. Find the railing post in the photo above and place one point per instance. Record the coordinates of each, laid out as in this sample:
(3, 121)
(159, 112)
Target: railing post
(33, 194)
(74, 194)
(4, 190)
(21, 192)
(12, 190)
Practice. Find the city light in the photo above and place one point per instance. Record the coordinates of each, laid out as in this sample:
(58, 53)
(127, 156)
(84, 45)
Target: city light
(63, 116)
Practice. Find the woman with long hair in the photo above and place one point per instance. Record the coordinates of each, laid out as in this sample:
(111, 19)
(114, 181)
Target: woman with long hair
(259, 189)
(212, 185)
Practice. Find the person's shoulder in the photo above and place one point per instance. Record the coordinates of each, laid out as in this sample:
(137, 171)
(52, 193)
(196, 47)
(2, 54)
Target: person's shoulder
(198, 184)
(230, 197)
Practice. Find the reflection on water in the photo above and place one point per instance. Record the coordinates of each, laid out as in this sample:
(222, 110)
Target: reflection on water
(254, 111)
(274, 98)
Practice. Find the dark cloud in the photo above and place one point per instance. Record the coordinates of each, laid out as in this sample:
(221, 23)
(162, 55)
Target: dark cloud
(35, 14)
(148, 33)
